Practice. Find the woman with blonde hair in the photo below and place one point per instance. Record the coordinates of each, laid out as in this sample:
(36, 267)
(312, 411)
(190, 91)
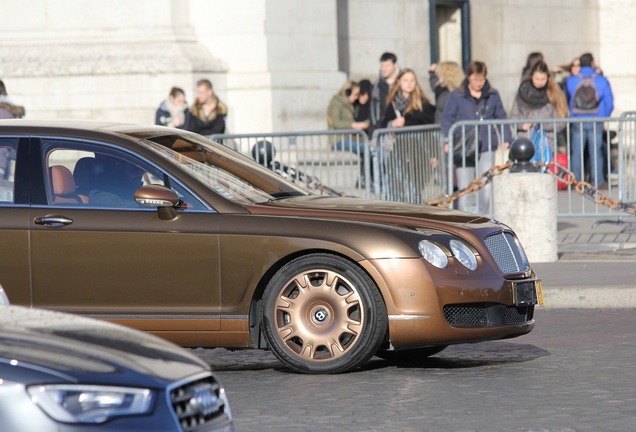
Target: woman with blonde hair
(540, 97)
(444, 78)
(406, 106)
(406, 103)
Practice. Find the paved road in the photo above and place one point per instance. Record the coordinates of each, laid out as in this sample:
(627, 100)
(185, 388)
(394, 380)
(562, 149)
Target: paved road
(575, 372)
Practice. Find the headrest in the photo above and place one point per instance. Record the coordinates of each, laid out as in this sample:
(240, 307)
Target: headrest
(62, 180)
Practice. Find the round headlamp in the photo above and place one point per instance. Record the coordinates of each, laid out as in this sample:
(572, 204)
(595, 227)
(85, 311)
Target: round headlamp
(464, 254)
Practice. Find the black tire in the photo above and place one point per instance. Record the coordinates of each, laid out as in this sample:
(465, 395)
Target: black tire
(323, 314)
(412, 355)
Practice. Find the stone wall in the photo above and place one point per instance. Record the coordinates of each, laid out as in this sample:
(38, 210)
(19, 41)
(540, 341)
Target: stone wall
(276, 63)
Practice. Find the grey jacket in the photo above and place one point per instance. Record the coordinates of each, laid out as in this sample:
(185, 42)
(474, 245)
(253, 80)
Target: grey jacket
(521, 111)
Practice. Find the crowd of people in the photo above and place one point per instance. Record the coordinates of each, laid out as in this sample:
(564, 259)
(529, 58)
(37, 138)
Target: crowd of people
(578, 90)
(395, 99)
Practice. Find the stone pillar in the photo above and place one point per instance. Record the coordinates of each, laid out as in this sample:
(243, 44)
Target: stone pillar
(527, 202)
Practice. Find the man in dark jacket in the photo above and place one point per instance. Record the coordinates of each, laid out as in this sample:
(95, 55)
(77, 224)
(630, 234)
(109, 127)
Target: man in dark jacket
(207, 113)
(389, 71)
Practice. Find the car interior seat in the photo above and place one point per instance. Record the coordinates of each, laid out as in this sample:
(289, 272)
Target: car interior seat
(85, 175)
(63, 184)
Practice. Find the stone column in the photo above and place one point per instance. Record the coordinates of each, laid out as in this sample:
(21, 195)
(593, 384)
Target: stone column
(527, 202)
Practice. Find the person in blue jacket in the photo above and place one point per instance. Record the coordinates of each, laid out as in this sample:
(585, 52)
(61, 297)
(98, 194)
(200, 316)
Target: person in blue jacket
(475, 99)
(599, 104)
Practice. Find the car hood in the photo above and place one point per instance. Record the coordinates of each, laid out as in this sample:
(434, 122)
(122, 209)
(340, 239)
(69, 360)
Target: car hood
(43, 346)
(389, 212)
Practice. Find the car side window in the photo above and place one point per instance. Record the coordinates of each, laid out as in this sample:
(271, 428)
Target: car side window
(89, 175)
(8, 155)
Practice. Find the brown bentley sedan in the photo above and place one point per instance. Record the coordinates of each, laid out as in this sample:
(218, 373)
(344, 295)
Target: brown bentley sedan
(168, 232)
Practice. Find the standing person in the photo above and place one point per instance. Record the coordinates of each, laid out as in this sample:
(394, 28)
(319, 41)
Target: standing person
(172, 111)
(533, 57)
(562, 73)
(475, 99)
(207, 113)
(540, 97)
(590, 97)
(389, 71)
(406, 103)
(404, 169)
(362, 113)
(8, 109)
(444, 78)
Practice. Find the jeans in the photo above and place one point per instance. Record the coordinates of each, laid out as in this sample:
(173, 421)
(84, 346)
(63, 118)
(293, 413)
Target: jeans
(590, 134)
(352, 145)
(478, 202)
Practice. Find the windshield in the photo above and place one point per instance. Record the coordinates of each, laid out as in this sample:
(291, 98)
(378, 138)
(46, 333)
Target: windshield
(225, 171)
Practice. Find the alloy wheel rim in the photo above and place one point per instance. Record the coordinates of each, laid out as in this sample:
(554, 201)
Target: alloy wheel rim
(319, 315)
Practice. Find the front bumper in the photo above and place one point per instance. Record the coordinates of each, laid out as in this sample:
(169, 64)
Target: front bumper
(430, 306)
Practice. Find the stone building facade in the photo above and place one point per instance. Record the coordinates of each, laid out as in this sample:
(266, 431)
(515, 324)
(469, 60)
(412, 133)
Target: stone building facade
(276, 63)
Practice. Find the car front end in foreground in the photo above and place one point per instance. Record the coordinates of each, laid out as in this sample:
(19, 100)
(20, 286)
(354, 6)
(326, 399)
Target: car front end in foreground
(62, 373)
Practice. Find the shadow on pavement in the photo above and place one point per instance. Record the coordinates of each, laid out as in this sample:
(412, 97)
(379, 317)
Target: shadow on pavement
(474, 355)
(454, 357)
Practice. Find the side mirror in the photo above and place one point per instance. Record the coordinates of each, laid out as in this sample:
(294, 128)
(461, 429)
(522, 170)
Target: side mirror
(161, 197)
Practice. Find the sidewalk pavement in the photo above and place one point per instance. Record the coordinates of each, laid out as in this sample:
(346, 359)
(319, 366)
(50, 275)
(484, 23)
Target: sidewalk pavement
(596, 266)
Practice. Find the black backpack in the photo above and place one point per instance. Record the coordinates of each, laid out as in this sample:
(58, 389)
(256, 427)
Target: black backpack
(585, 98)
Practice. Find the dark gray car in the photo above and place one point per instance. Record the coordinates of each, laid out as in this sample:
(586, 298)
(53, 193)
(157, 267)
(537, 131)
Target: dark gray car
(60, 372)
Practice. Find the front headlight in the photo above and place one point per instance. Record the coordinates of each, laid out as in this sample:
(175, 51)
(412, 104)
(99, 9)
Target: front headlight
(464, 254)
(89, 403)
(434, 254)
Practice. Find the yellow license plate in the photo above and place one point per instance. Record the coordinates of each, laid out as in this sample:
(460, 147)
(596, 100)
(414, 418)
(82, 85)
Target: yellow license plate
(539, 286)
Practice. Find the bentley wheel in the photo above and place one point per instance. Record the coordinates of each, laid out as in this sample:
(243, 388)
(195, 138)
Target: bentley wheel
(411, 355)
(323, 314)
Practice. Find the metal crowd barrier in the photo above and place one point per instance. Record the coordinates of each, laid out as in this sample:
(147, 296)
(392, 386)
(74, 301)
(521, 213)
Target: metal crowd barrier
(409, 163)
(618, 151)
(337, 159)
(400, 164)
(627, 156)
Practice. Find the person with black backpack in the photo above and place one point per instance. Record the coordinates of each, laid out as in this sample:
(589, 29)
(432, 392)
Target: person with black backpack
(590, 96)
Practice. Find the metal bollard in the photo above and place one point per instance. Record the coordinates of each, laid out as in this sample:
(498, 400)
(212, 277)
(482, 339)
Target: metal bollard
(526, 200)
(521, 151)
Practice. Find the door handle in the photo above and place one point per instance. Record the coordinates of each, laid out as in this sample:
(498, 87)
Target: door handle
(53, 221)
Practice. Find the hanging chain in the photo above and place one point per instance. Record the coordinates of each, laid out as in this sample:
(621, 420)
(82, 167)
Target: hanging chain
(561, 173)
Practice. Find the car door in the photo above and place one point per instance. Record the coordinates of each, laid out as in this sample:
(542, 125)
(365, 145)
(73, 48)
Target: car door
(14, 219)
(95, 251)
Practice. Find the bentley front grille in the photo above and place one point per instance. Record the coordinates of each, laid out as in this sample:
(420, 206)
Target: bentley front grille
(507, 252)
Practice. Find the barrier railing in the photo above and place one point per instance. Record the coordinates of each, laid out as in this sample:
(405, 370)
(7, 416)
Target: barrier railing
(612, 171)
(409, 163)
(335, 161)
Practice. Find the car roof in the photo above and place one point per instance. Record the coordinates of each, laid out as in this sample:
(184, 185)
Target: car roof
(58, 126)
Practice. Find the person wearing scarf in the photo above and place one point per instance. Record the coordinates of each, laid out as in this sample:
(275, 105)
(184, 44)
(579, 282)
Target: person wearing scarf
(407, 105)
(539, 97)
(172, 111)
